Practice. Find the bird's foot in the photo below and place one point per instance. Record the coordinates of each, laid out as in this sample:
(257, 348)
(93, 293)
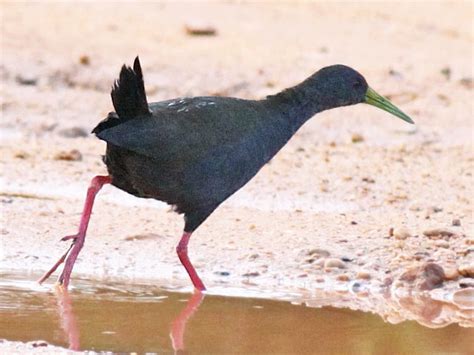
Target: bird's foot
(69, 257)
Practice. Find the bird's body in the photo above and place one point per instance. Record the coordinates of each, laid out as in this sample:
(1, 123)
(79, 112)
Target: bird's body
(193, 153)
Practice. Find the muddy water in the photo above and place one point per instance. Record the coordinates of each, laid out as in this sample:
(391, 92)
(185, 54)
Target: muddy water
(122, 318)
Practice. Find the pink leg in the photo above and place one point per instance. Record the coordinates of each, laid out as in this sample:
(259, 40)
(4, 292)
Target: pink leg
(182, 250)
(78, 239)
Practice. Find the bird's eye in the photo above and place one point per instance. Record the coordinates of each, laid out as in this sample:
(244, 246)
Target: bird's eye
(357, 84)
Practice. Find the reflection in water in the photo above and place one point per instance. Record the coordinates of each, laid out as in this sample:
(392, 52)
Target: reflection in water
(131, 318)
(67, 317)
(178, 326)
(71, 330)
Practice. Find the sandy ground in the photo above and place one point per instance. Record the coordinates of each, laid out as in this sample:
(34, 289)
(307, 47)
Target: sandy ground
(358, 202)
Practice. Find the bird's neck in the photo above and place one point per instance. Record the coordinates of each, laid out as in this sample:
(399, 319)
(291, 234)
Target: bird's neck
(299, 103)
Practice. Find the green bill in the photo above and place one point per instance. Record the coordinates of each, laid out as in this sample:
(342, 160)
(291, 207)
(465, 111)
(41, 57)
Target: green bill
(372, 98)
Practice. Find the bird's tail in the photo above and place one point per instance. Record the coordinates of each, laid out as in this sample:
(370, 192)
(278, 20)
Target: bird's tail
(128, 92)
(128, 97)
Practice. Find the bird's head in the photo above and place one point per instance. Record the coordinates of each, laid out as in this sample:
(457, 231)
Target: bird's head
(344, 86)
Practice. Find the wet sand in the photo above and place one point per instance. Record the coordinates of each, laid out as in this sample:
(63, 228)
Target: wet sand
(357, 197)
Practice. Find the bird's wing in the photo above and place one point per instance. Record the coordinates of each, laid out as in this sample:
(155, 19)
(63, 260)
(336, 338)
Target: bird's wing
(185, 130)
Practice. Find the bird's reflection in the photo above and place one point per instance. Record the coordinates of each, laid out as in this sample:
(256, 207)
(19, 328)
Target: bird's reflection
(67, 317)
(70, 328)
(178, 326)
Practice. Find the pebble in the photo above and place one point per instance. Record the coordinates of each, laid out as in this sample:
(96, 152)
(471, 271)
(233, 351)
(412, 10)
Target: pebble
(464, 298)
(251, 274)
(200, 29)
(401, 233)
(468, 83)
(22, 155)
(438, 232)
(319, 253)
(428, 276)
(72, 155)
(409, 275)
(363, 275)
(456, 222)
(446, 72)
(466, 270)
(84, 60)
(343, 277)
(253, 257)
(433, 276)
(465, 283)
(334, 263)
(222, 273)
(357, 138)
(38, 343)
(451, 273)
(26, 79)
(442, 243)
(73, 132)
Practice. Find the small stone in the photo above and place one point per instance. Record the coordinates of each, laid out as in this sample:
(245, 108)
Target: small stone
(465, 283)
(428, 276)
(446, 72)
(357, 138)
(84, 60)
(253, 257)
(401, 233)
(464, 298)
(433, 276)
(343, 277)
(456, 222)
(73, 132)
(334, 263)
(26, 79)
(410, 275)
(363, 275)
(200, 29)
(395, 73)
(38, 343)
(222, 273)
(438, 232)
(72, 155)
(251, 274)
(466, 270)
(319, 253)
(451, 273)
(319, 262)
(22, 155)
(442, 243)
(468, 83)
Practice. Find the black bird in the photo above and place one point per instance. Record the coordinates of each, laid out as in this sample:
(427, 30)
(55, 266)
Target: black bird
(193, 153)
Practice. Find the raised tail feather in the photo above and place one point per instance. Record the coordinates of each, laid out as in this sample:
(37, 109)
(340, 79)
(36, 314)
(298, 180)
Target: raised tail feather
(128, 96)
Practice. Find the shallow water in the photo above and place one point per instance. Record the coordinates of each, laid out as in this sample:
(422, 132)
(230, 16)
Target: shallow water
(123, 318)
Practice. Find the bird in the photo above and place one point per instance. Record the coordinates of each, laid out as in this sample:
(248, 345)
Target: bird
(195, 152)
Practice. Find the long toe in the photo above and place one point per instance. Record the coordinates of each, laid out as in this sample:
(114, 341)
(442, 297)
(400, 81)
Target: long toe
(65, 276)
